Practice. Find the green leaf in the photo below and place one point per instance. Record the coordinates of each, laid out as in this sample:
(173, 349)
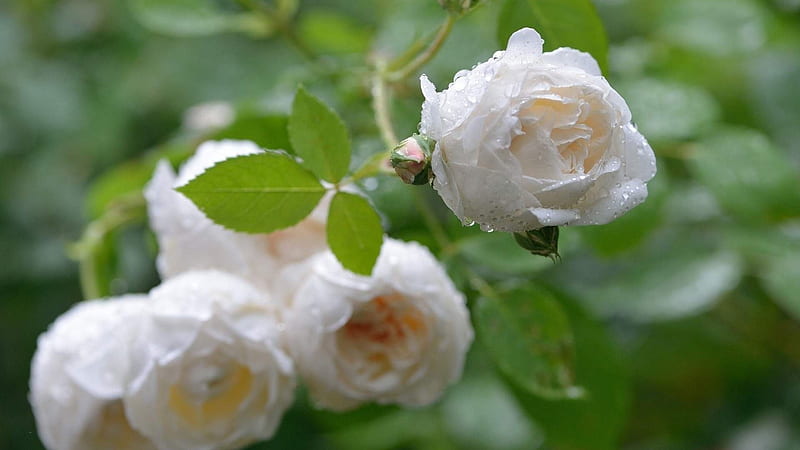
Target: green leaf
(398, 429)
(498, 252)
(674, 280)
(354, 232)
(562, 23)
(630, 230)
(99, 263)
(713, 27)
(529, 337)
(667, 111)
(594, 421)
(266, 130)
(774, 254)
(686, 370)
(775, 94)
(129, 178)
(196, 18)
(319, 136)
(481, 413)
(748, 176)
(257, 193)
(781, 277)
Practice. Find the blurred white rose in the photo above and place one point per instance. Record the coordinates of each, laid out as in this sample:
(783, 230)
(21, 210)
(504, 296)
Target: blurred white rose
(188, 240)
(209, 372)
(530, 139)
(208, 116)
(78, 376)
(398, 336)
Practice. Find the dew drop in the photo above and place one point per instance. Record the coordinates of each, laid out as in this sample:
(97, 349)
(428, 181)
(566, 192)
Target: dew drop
(370, 184)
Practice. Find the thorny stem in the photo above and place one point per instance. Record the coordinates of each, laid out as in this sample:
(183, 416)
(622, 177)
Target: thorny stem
(427, 54)
(291, 36)
(448, 247)
(381, 100)
(432, 223)
(377, 164)
(381, 104)
(282, 24)
(126, 210)
(381, 94)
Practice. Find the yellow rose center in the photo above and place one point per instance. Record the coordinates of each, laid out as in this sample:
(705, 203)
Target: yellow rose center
(566, 132)
(211, 394)
(111, 429)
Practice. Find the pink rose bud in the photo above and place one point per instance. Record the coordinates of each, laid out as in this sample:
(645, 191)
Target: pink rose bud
(411, 160)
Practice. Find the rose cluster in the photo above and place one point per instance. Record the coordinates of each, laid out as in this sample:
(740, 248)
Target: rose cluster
(209, 359)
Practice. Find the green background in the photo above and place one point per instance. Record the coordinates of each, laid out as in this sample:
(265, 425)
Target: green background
(684, 312)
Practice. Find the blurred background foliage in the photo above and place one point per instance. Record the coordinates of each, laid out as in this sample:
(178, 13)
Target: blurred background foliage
(684, 312)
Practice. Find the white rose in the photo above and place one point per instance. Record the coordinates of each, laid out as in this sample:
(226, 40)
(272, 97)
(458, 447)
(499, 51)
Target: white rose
(208, 116)
(188, 240)
(530, 139)
(398, 336)
(209, 372)
(78, 376)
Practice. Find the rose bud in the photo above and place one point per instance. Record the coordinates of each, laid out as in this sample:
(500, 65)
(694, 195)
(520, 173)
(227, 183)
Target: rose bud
(411, 160)
(530, 139)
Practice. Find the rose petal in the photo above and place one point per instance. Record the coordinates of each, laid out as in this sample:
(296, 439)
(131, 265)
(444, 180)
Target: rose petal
(566, 56)
(640, 161)
(618, 201)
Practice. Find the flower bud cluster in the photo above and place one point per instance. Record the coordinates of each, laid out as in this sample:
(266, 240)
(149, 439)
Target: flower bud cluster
(210, 358)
